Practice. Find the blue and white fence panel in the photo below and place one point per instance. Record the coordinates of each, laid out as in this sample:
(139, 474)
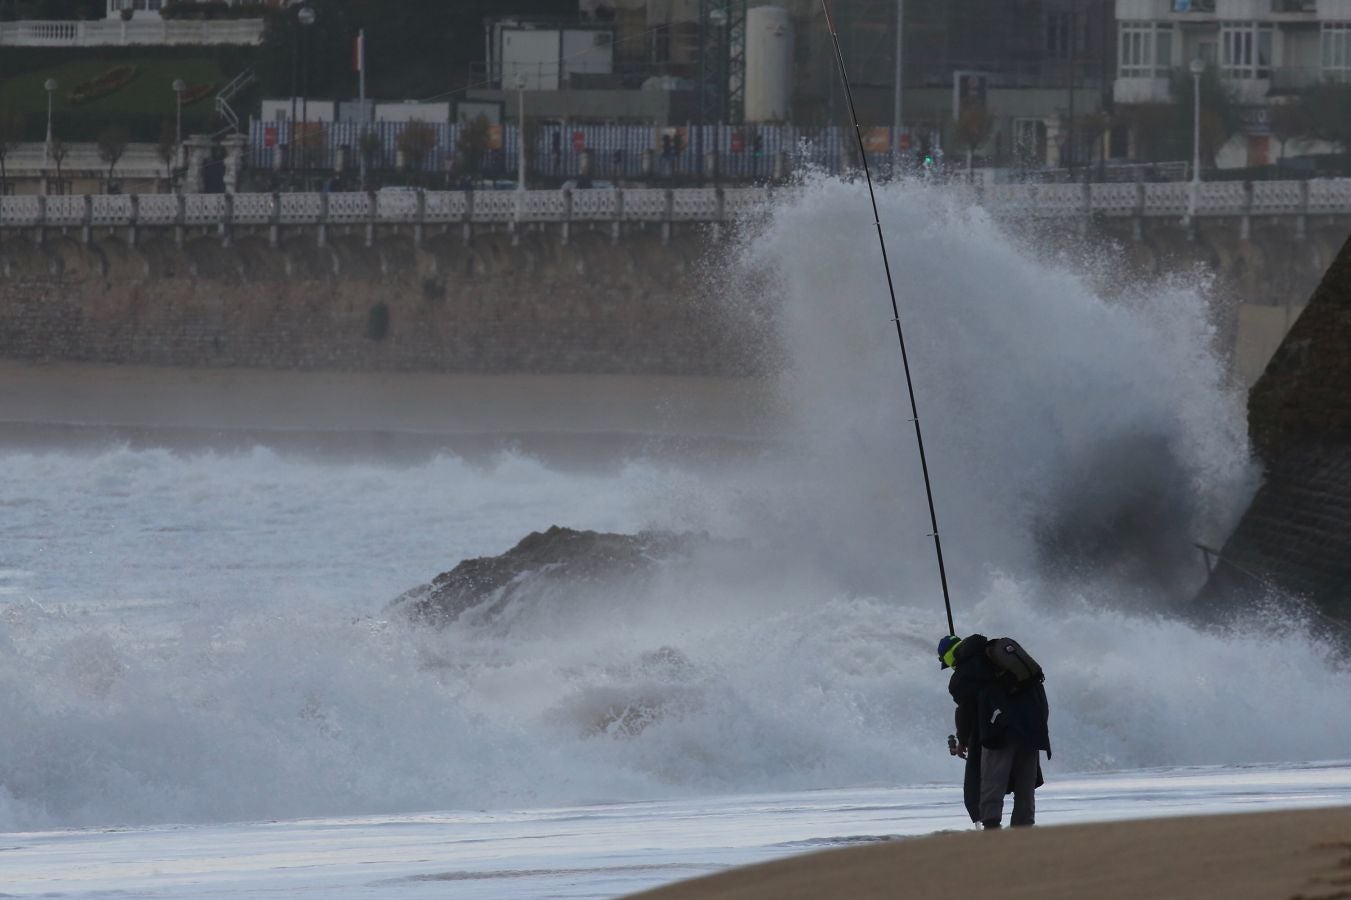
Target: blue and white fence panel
(617, 151)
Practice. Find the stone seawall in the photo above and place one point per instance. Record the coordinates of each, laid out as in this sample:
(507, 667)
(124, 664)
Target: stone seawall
(646, 303)
(537, 305)
(1294, 540)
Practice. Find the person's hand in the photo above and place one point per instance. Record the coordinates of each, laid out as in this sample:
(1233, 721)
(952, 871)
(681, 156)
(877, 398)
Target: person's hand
(961, 751)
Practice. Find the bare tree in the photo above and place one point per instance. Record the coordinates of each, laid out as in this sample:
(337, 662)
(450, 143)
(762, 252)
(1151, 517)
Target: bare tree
(974, 127)
(370, 145)
(167, 148)
(59, 152)
(11, 133)
(112, 144)
(473, 143)
(416, 142)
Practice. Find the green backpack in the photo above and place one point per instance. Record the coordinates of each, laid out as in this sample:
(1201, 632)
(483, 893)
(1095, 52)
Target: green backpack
(1017, 668)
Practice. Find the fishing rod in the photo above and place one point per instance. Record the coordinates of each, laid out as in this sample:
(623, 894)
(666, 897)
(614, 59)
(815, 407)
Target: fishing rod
(895, 312)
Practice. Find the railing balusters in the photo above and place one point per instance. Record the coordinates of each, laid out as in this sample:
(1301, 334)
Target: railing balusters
(665, 207)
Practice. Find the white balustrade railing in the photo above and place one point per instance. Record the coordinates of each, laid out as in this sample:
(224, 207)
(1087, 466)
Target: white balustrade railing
(545, 206)
(116, 33)
(68, 210)
(158, 208)
(446, 206)
(645, 205)
(253, 209)
(21, 211)
(1329, 197)
(203, 209)
(348, 208)
(593, 206)
(1115, 199)
(1274, 197)
(740, 203)
(298, 209)
(111, 210)
(694, 206)
(1159, 200)
(1168, 199)
(496, 206)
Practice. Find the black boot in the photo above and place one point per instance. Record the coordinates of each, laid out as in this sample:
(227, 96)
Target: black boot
(990, 823)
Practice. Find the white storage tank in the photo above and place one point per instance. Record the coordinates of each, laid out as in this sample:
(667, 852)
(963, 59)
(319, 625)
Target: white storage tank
(769, 64)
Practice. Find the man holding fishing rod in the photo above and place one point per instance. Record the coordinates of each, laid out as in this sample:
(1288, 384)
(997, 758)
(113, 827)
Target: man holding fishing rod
(1001, 704)
(1001, 723)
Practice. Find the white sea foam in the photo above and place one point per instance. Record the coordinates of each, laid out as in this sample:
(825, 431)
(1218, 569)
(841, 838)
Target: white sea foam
(197, 637)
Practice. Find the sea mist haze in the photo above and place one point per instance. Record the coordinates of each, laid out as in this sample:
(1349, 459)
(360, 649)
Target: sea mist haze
(199, 634)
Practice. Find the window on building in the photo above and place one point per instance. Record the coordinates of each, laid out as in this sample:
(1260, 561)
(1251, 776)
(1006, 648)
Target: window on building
(1058, 35)
(1145, 49)
(1245, 50)
(1337, 48)
(661, 44)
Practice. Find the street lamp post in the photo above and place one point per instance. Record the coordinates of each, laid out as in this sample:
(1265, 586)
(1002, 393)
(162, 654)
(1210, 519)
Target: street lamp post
(179, 87)
(1198, 68)
(717, 18)
(520, 132)
(898, 112)
(306, 17)
(50, 85)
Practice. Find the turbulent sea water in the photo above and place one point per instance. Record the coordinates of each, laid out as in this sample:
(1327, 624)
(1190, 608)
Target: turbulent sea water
(197, 635)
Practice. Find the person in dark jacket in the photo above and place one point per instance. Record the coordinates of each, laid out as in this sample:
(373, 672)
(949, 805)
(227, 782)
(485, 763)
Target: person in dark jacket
(999, 730)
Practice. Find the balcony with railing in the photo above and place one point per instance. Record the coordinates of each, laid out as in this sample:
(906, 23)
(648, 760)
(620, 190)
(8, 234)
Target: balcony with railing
(1294, 7)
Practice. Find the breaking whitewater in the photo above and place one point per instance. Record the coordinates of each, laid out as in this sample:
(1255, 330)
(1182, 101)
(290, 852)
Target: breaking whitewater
(201, 635)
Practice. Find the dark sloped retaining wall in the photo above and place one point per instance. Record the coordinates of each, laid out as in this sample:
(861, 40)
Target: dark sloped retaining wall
(1295, 539)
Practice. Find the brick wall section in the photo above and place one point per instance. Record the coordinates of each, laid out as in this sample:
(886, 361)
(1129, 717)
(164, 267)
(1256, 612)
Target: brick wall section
(540, 306)
(1295, 539)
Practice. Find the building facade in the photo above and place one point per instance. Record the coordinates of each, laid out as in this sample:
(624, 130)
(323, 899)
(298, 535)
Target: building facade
(1262, 50)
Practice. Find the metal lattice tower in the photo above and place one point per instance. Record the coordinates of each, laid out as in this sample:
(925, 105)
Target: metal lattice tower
(722, 60)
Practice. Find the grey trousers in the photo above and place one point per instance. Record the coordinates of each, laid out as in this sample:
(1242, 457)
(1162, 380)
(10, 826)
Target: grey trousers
(1012, 766)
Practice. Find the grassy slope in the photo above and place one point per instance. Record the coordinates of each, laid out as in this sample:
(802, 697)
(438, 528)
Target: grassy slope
(148, 98)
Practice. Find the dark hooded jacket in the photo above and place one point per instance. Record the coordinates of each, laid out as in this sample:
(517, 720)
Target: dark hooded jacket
(988, 715)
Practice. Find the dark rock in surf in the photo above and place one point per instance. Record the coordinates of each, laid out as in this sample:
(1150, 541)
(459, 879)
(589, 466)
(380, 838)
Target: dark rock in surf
(557, 558)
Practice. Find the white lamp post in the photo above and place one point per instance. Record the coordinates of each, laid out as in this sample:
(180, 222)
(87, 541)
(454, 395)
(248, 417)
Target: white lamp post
(1198, 68)
(520, 132)
(306, 17)
(179, 87)
(50, 85)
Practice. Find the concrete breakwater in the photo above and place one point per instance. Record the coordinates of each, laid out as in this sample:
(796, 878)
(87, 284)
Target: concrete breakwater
(499, 304)
(590, 298)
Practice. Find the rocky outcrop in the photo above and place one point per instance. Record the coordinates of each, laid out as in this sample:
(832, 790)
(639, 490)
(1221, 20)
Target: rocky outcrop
(559, 558)
(1295, 539)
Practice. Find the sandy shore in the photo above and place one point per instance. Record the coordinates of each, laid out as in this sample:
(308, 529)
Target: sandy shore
(1303, 855)
(147, 397)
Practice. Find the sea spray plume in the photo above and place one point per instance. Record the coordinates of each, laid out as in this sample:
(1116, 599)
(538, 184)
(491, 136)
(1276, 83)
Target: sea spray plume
(1027, 376)
(896, 317)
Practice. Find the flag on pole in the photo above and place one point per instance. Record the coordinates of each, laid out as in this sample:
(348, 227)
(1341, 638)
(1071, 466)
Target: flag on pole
(359, 52)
